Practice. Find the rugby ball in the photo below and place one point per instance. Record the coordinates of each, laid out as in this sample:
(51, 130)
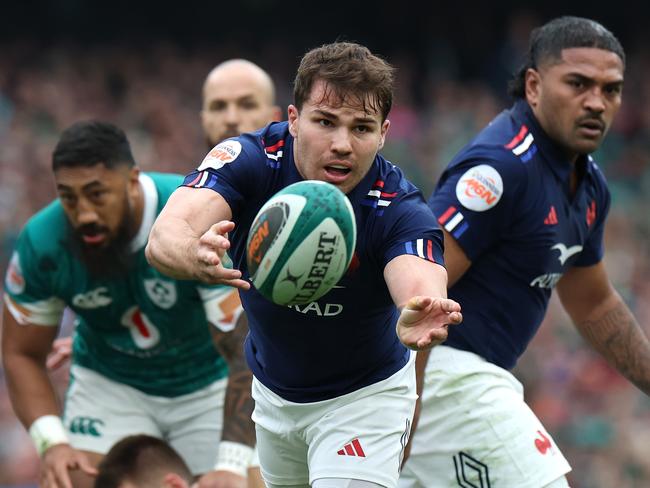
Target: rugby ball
(301, 242)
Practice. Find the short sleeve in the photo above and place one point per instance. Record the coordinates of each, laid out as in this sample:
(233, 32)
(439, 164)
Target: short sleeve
(28, 295)
(474, 201)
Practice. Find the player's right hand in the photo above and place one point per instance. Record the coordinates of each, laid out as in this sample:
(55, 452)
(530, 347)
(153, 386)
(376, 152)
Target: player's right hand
(212, 246)
(61, 352)
(57, 461)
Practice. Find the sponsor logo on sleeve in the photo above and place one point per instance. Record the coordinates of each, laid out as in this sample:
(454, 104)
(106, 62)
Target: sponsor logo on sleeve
(223, 153)
(15, 281)
(480, 188)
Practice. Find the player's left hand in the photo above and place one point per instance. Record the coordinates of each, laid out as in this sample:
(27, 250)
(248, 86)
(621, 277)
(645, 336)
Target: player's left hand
(424, 320)
(61, 353)
(221, 479)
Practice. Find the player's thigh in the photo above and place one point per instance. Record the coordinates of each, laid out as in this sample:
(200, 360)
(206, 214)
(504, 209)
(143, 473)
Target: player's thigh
(193, 424)
(98, 411)
(476, 430)
(282, 457)
(362, 436)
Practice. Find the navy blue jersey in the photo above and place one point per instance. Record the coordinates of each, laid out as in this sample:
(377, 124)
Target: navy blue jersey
(346, 339)
(506, 200)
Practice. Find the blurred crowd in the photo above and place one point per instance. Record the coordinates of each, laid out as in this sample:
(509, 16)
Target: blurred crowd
(153, 92)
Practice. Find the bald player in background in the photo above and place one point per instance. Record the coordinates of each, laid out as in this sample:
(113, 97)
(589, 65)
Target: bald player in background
(238, 97)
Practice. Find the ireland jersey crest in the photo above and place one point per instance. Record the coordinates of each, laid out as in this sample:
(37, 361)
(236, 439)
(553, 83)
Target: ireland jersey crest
(162, 293)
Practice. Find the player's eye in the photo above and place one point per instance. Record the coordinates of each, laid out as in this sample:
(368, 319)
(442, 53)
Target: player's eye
(325, 122)
(67, 199)
(363, 129)
(97, 196)
(249, 104)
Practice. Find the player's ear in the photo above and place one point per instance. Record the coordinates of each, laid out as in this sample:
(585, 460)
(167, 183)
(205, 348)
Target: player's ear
(172, 480)
(532, 85)
(293, 116)
(383, 131)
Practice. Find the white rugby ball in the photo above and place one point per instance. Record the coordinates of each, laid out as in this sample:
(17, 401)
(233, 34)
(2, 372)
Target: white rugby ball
(301, 242)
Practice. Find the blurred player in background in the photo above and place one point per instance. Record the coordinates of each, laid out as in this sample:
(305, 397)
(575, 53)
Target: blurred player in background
(143, 358)
(523, 207)
(238, 96)
(334, 393)
(142, 461)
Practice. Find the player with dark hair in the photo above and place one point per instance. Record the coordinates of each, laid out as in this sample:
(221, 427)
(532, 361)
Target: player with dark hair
(334, 393)
(142, 461)
(523, 207)
(143, 357)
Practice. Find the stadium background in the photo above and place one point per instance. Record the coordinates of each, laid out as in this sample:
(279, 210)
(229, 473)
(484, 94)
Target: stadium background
(141, 65)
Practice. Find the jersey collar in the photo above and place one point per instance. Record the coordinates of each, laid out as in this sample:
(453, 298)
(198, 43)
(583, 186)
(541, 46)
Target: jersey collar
(551, 152)
(150, 196)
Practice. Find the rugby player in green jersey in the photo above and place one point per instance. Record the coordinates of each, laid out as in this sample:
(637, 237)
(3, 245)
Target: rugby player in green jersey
(143, 359)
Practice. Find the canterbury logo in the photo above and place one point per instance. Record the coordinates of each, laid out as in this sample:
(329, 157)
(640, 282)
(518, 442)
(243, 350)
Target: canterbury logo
(352, 448)
(566, 253)
(86, 426)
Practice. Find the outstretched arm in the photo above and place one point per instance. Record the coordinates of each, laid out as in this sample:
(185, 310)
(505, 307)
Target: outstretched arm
(606, 322)
(419, 289)
(190, 237)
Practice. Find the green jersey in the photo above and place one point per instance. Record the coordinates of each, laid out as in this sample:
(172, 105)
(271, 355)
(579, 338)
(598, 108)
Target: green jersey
(144, 330)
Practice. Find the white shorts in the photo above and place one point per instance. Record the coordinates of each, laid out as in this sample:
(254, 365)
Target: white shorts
(360, 435)
(475, 430)
(99, 412)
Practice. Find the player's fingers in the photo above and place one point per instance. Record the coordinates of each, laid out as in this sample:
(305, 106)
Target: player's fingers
(455, 318)
(55, 360)
(241, 284)
(61, 476)
(449, 305)
(223, 227)
(418, 303)
(214, 241)
(84, 464)
(433, 337)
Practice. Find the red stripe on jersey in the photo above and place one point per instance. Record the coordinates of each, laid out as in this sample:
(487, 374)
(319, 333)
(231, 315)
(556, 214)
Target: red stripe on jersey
(195, 180)
(430, 251)
(445, 216)
(349, 450)
(139, 323)
(275, 146)
(379, 183)
(388, 195)
(357, 447)
(518, 138)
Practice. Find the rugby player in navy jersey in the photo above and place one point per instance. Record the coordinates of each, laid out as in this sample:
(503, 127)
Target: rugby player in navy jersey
(523, 207)
(334, 384)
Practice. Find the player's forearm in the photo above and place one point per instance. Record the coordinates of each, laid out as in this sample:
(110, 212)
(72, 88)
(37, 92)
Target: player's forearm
(30, 389)
(238, 408)
(614, 332)
(172, 248)
(238, 404)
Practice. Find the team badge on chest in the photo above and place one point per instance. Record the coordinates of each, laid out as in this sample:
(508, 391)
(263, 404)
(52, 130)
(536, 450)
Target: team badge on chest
(162, 293)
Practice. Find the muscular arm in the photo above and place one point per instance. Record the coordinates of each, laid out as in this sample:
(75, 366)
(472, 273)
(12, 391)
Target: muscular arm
(24, 351)
(238, 406)
(606, 322)
(189, 238)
